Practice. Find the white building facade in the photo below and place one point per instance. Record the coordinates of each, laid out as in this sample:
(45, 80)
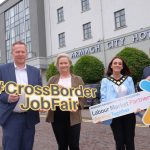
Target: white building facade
(98, 27)
(78, 27)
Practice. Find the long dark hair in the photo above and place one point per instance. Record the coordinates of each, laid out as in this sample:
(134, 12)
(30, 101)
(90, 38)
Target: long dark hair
(124, 71)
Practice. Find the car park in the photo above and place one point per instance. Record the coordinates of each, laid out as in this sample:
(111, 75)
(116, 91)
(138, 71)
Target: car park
(92, 101)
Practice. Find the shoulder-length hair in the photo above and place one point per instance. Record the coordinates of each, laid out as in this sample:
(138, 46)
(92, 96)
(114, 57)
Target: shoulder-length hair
(124, 71)
(60, 56)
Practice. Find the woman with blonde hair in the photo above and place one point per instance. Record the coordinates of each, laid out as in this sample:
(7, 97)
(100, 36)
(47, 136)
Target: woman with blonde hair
(66, 124)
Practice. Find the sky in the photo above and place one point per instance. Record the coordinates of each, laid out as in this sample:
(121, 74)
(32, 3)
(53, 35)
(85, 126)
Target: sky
(1, 1)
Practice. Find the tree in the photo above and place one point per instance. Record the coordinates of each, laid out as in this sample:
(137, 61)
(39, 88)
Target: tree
(89, 68)
(136, 60)
(51, 71)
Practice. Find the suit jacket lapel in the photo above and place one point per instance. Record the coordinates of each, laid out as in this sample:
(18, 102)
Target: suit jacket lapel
(73, 81)
(29, 74)
(56, 79)
(12, 72)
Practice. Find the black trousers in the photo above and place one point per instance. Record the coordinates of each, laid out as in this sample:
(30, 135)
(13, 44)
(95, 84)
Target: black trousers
(66, 135)
(124, 131)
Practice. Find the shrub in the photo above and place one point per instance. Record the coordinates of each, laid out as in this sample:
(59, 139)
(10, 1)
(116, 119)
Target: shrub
(136, 60)
(89, 68)
(51, 71)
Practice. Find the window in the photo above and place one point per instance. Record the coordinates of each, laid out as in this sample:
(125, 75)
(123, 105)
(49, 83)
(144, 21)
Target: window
(85, 5)
(61, 37)
(17, 26)
(87, 30)
(60, 14)
(120, 19)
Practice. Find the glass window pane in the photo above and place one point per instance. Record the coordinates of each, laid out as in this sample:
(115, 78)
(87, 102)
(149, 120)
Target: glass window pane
(120, 18)
(16, 26)
(61, 37)
(117, 19)
(87, 30)
(16, 17)
(21, 7)
(27, 11)
(85, 5)
(11, 12)
(122, 12)
(118, 24)
(117, 14)
(60, 14)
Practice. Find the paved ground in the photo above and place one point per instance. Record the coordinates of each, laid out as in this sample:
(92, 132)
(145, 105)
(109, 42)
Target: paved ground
(93, 136)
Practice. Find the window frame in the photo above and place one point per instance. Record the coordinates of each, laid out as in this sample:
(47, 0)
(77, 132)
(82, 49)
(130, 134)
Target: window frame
(87, 31)
(61, 40)
(85, 5)
(14, 30)
(60, 14)
(120, 20)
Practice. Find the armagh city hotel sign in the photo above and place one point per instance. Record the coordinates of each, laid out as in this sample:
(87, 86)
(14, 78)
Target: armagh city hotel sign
(118, 42)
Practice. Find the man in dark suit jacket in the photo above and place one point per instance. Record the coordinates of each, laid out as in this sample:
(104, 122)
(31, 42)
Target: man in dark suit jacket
(146, 73)
(18, 126)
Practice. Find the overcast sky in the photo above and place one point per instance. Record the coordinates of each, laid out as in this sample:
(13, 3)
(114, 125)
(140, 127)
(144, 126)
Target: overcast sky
(1, 1)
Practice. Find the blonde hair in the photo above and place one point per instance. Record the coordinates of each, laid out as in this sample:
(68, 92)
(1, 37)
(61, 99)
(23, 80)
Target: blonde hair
(63, 55)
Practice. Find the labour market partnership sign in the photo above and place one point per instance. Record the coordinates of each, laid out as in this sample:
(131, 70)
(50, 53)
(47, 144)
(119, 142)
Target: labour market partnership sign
(123, 106)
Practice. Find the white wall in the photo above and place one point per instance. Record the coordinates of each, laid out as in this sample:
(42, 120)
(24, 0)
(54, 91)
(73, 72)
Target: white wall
(136, 14)
(74, 18)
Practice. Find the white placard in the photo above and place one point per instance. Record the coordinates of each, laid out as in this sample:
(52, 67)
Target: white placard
(120, 106)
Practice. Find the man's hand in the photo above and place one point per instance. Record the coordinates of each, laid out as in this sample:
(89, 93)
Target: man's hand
(148, 78)
(13, 98)
(138, 110)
